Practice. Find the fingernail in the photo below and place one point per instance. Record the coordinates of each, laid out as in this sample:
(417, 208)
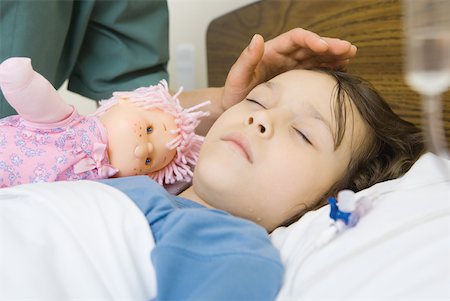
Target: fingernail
(252, 43)
(324, 42)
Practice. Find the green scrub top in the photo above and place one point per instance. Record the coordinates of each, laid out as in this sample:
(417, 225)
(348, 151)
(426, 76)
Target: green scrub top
(99, 46)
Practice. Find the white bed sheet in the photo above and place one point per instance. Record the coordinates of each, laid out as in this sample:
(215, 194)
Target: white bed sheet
(85, 240)
(399, 251)
(67, 240)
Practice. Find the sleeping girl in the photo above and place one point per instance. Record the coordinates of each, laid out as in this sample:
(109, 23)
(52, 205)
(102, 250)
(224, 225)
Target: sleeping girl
(140, 132)
(296, 140)
(291, 143)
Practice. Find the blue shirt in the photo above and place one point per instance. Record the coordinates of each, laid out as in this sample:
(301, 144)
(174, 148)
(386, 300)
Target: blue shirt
(204, 254)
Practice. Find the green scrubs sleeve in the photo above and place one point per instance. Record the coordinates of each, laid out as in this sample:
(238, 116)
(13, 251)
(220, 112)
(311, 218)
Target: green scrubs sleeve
(100, 46)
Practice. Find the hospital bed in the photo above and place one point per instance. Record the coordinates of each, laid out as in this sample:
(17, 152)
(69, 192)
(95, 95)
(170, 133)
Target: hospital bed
(401, 250)
(92, 245)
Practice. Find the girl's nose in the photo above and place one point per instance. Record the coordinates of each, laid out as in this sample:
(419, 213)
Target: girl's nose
(260, 121)
(143, 150)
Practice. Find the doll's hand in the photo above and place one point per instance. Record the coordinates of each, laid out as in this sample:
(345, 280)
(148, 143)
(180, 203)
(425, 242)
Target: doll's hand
(30, 94)
(295, 49)
(15, 73)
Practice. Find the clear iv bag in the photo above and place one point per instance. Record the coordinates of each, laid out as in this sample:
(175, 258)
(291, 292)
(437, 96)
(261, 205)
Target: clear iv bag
(427, 63)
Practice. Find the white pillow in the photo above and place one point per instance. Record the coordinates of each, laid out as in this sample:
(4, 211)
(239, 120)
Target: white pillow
(400, 249)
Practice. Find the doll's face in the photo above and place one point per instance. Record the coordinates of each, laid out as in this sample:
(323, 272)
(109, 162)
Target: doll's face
(269, 156)
(137, 139)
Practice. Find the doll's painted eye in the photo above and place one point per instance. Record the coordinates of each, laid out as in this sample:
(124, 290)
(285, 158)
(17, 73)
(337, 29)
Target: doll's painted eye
(149, 130)
(148, 161)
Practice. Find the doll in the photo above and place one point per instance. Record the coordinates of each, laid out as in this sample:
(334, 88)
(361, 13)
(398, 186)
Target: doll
(141, 132)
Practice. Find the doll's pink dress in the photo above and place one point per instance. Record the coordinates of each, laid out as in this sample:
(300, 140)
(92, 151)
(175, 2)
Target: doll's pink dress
(72, 149)
(48, 141)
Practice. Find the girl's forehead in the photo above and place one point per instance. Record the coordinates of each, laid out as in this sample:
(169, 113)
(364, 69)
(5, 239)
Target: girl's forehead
(299, 85)
(304, 91)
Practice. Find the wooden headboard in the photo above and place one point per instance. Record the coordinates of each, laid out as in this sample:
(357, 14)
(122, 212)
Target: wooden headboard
(374, 26)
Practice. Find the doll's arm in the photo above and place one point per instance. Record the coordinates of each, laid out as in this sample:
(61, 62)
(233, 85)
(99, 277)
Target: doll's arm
(30, 94)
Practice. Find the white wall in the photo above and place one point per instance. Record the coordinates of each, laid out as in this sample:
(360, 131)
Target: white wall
(189, 20)
(187, 66)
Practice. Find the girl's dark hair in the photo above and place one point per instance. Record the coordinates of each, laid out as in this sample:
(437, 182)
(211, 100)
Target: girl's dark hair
(390, 148)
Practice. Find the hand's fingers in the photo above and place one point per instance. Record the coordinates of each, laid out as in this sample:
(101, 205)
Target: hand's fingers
(309, 40)
(306, 54)
(249, 58)
(340, 47)
(241, 76)
(353, 51)
(298, 38)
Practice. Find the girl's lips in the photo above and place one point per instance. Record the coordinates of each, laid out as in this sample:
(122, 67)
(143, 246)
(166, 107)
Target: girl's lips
(241, 143)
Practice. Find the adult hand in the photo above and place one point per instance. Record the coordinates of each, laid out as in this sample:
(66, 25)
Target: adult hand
(295, 49)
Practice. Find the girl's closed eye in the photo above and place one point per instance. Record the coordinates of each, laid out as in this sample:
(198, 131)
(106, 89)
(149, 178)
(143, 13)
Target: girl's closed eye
(302, 135)
(256, 102)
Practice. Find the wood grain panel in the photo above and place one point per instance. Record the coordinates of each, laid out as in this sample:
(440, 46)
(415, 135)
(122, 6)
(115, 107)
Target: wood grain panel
(374, 26)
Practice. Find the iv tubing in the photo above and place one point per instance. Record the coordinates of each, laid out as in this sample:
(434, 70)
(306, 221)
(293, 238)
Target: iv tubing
(434, 129)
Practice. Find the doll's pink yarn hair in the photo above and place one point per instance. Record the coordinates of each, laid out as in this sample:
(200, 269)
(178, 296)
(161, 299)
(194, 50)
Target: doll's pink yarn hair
(187, 143)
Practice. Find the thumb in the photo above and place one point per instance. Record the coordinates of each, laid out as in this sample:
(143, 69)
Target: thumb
(250, 57)
(240, 79)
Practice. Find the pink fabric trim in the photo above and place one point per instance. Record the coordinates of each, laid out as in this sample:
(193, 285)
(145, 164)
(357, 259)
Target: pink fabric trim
(49, 126)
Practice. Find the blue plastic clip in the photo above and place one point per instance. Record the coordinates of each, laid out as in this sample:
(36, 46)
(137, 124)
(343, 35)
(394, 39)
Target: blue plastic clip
(337, 214)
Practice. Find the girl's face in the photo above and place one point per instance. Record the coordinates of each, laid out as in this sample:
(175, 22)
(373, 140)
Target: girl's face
(137, 139)
(272, 155)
